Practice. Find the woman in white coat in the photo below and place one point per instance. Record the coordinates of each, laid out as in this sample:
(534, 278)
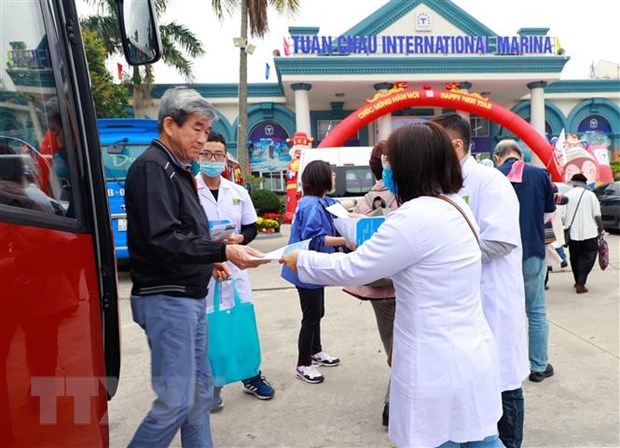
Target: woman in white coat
(223, 200)
(445, 382)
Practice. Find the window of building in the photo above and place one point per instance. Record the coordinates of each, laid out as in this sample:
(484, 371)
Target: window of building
(273, 180)
(479, 126)
(324, 127)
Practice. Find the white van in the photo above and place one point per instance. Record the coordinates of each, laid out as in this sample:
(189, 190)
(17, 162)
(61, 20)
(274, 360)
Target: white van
(350, 163)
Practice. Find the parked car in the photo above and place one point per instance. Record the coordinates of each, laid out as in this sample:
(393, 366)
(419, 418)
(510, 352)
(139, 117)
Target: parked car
(609, 197)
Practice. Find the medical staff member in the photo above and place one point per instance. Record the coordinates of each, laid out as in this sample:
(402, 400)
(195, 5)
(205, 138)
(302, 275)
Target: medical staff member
(445, 377)
(495, 206)
(223, 200)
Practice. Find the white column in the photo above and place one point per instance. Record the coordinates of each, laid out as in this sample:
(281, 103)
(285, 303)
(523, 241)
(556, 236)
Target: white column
(464, 87)
(302, 107)
(384, 123)
(537, 112)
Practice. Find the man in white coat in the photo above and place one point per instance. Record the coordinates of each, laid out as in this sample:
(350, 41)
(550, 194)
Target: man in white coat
(496, 208)
(225, 202)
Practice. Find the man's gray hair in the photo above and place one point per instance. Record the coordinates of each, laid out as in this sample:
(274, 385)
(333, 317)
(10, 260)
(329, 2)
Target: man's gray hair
(180, 102)
(506, 146)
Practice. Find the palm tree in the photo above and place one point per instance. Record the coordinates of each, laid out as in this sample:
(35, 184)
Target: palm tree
(254, 12)
(180, 46)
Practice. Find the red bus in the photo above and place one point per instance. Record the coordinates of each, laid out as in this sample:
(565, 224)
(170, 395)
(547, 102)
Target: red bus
(59, 325)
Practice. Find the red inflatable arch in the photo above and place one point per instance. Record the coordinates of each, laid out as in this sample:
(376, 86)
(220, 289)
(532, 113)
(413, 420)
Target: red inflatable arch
(400, 98)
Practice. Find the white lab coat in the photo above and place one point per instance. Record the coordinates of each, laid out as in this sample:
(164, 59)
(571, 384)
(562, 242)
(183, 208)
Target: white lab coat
(445, 380)
(233, 204)
(495, 206)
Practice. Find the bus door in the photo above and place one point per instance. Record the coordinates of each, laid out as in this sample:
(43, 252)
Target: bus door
(59, 329)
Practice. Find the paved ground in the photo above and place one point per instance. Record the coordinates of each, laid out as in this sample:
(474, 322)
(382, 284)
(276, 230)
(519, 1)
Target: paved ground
(578, 407)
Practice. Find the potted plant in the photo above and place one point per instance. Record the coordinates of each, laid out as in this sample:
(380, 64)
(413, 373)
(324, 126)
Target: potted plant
(269, 208)
(266, 225)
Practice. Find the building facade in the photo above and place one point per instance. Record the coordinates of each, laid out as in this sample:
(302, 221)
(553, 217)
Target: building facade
(430, 44)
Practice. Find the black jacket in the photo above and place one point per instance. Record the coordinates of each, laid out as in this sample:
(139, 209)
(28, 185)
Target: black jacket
(170, 247)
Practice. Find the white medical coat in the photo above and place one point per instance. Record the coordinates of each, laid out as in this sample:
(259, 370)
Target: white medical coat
(495, 206)
(445, 380)
(233, 204)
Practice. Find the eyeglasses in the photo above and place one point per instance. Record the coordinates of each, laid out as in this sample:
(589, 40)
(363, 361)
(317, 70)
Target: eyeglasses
(213, 155)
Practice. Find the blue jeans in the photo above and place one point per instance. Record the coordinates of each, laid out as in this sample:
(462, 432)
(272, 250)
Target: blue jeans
(510, 426)
(534, 269)
(176, 328)
(561, 253)
(488, 442)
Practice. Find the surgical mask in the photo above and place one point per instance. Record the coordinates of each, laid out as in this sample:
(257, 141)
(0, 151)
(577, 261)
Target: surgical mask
(388, 176)
(212, 169)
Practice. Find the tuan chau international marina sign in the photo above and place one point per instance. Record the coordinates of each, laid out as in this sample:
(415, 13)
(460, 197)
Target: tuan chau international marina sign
(416, 44)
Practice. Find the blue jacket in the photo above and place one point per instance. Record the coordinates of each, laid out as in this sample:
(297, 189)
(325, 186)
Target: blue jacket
(311, 221)
(535, 199)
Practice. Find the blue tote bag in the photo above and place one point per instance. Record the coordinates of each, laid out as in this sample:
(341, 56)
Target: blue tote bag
(234, 349)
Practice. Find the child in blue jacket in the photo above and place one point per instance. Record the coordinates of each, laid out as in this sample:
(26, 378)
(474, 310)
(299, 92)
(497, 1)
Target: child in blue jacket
(312, 221)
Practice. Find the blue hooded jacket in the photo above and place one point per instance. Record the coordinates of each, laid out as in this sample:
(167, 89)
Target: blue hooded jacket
(311, 221)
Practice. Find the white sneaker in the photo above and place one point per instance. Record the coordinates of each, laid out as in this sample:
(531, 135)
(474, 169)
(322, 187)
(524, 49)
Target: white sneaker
(323, 359)
(309, 374)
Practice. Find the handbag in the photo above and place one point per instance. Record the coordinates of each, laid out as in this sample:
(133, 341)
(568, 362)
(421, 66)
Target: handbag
(603, 252)
(549, 233)
(567, 230)
(233, 345)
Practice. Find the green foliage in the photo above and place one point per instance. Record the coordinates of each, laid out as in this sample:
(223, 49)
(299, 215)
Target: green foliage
(615, 168)
(254, 182)
(266, 201)
(179, 45)
(111, 99)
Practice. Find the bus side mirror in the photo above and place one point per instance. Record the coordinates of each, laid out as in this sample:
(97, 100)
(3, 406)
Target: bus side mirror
(139, 31)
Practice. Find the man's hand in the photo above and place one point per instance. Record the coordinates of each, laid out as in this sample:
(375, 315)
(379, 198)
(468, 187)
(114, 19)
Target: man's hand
(290, 260)
(234, 239)
(221, 271)
(244, 256)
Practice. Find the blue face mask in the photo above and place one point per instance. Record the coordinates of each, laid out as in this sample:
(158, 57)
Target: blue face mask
(212, 169)
(388, 180)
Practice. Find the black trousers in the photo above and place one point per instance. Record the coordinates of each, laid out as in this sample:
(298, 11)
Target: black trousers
(582, 258)
(313, 309)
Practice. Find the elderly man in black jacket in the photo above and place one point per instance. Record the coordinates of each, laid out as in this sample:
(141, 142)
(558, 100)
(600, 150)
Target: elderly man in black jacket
(173, 257)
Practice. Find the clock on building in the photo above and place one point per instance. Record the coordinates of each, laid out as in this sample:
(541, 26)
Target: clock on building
(423, 21)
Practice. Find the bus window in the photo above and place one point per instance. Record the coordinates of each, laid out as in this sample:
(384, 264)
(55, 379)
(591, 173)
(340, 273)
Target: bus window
(359, 180)
(32, 133)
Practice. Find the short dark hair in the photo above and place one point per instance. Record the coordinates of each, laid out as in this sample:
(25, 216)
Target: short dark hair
(375, 159)
(316, 180)
(215, 136)
(456, 124)
(423, 161)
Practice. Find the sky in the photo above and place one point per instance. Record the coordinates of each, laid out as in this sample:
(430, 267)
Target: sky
(586, 30)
